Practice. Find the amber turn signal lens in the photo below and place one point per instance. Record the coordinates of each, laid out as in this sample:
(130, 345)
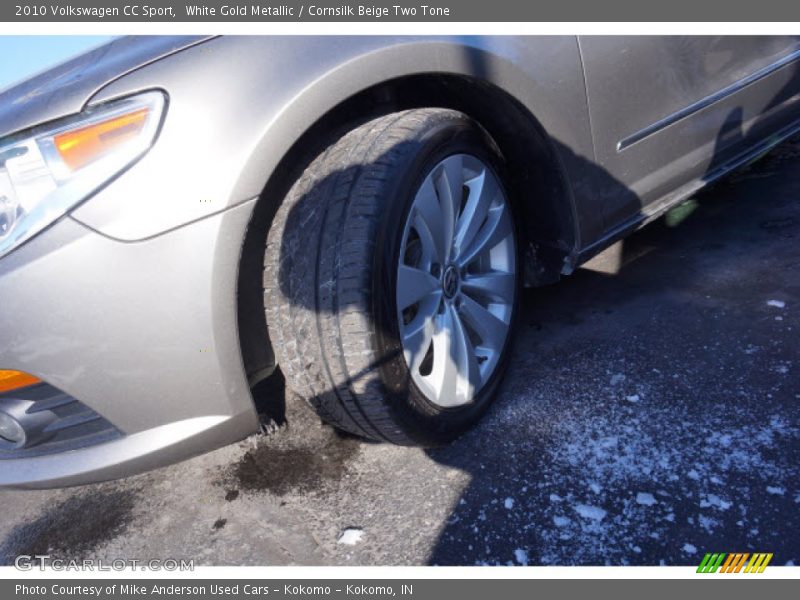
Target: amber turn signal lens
(80, 147)
(12, 380)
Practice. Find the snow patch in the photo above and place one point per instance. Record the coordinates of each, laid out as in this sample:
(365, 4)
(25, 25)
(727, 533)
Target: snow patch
(689, 549)
(617, 378)
(777, 491)
(635, 398)
(776, 303)
(590, 512)
(609, 441)
(521, 557)
(509, 503)
(646, 499)
(716, 502)
(350, 536)
(707, 523)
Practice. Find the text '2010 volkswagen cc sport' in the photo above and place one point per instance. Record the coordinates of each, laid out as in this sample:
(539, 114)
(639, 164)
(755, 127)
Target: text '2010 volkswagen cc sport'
(180, 217)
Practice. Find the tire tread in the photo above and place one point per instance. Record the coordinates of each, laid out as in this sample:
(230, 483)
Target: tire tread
(317, 270)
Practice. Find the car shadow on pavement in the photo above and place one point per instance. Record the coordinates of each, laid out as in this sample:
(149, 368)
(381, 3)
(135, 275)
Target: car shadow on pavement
(73, 526)
(650, 413)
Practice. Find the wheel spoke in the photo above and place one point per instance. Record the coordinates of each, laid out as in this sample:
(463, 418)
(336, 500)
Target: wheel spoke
(455, 368)
(444, 372)
(483, 191)
(448, 182)
(413, 285)
(469, 373)
(495, 230)
(418, 334)
(496, 286)
(429, 221)
(489, 328)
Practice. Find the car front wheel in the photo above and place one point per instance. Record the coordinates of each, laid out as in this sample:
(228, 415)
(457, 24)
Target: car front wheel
(391, 278)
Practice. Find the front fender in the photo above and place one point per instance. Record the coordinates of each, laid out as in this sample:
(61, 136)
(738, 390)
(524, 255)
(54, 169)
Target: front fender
(238, 104)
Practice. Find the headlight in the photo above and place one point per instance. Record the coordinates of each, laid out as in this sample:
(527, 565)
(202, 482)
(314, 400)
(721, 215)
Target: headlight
(47, 171)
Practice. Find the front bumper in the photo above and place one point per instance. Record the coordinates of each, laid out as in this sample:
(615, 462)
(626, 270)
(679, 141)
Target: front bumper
(142, 333)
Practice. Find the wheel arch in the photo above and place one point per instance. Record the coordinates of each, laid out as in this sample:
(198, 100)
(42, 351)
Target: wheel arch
(538, 181)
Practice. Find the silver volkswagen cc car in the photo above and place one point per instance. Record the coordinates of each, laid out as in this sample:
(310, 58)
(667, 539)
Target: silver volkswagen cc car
(180, 217)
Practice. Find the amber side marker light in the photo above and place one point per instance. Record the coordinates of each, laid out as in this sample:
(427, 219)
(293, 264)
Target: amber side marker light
(80, 147)
(14, 380)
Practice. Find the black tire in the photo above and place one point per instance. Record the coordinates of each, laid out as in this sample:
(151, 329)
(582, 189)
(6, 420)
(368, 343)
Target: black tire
(329, 278)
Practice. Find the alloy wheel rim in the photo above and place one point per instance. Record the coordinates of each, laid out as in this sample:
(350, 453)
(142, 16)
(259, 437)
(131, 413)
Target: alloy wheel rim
(456, 280)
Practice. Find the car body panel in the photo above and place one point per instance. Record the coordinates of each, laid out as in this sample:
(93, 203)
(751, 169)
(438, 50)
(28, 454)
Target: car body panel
(634, 82)
(229, 144)
(130, 455)
(145, 334)
(64, 89)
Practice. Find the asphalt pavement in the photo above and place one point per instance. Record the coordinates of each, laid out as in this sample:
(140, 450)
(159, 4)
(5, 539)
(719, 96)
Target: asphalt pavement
(651, 414)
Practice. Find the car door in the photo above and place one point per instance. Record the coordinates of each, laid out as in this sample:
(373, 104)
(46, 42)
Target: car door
(667, 110)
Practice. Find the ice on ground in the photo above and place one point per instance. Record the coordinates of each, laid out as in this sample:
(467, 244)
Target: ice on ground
(350, 536)
(617, 378)
(521, 557)
(509, 503)
(645, 498)
(609, 441)
(590, 512)
(560, 521)
(689, 549)
(707, 523)
(776, 303)
(649, 484)
(777, 491)
(716, 502)
(721, 439)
